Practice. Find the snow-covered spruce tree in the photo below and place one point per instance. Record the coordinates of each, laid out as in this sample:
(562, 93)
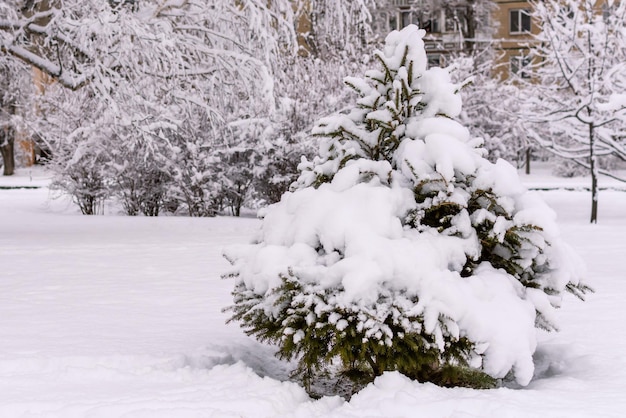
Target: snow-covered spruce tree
(400, 247)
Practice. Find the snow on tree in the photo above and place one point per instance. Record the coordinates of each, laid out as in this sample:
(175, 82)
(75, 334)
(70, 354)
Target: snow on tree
(489, 107)
(159, 84)
(400, 246)
(238, 165)
(15, 92)
(337, 27)
(164, 39)
(579, 87)
(306, 89)
(154, 83)
(83, 154)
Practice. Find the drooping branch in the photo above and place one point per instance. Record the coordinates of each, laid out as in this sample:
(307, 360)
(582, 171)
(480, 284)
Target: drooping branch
(48, 67)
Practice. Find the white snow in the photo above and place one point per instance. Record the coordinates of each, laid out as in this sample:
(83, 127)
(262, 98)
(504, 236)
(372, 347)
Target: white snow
(616, 102)
(119, 316)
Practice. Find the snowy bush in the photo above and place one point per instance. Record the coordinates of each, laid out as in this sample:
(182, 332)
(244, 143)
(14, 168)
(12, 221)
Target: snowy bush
(400, 246)
(139, 181)
(236, 175)
(194, 176)
(83, 181)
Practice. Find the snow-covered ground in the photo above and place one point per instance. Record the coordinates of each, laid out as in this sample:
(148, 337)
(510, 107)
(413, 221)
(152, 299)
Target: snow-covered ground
(114, 316)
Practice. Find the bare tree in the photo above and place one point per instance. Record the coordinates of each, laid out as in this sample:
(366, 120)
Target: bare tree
(579, 91)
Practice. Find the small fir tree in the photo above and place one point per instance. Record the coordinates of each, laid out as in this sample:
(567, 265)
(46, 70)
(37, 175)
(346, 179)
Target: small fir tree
(401, 247)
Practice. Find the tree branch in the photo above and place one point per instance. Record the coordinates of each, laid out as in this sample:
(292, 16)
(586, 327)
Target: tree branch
(46, 66)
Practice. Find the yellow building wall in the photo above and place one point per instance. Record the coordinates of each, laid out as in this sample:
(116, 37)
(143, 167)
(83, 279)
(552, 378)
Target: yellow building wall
(506, 43)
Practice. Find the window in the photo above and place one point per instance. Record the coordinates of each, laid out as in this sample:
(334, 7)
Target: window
(380, 23)
(520, 21)
(608, 10)
(430, 22)
(393, 21)
(451, 20)
(401, 19)
(434, 60)
(405, 18)
(455, 20)
(521, 66)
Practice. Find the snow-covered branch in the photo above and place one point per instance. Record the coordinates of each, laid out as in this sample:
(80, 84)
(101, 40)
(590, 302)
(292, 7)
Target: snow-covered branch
(48, 67)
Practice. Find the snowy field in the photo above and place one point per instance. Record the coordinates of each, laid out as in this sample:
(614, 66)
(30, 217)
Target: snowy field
(114, 316)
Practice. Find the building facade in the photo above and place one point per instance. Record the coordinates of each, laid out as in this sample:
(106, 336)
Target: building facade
(513, 38)
(461, 26)
(451, 28)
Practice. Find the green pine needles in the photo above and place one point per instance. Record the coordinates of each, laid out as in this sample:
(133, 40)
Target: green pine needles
(364, 341)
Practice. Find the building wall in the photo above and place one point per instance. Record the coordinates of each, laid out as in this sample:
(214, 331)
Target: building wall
(511, 45)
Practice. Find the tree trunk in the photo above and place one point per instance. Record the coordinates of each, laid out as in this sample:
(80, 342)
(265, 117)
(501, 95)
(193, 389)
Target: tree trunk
(470, 20)
(594, 197)
(594, 176)
(6, 149)
(528, 155)
(376, 369)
